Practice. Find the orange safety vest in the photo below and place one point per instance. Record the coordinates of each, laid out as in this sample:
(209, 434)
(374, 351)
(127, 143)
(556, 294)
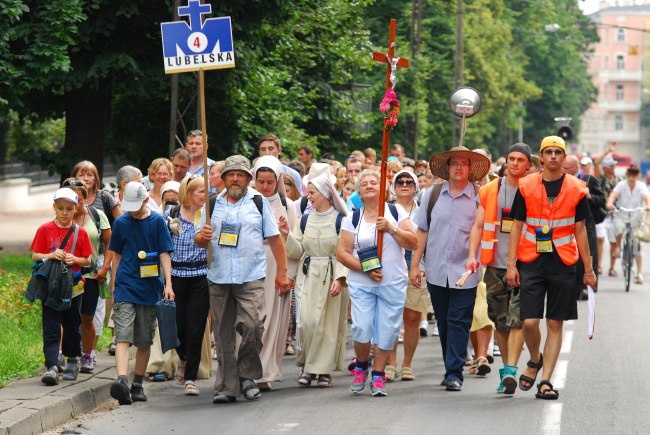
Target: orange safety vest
(561, 217)
(489, 196)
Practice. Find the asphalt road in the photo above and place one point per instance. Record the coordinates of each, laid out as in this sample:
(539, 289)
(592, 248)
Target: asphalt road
(602, 382)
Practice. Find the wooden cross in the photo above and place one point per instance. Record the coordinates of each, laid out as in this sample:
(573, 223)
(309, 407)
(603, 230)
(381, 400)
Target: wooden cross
(391, 67)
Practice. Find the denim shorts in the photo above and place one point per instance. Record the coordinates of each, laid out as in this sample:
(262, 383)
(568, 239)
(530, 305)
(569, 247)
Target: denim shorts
(134, 324)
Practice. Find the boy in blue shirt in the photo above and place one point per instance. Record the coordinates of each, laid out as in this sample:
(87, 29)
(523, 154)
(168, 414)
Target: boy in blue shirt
(141, 243)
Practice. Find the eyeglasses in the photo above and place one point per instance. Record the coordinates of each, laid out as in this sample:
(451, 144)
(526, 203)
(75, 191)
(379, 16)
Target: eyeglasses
(405, 183)
(459, 164)
(75, 183)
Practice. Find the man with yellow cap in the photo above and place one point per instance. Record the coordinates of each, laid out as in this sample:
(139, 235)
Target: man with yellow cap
(548, 238)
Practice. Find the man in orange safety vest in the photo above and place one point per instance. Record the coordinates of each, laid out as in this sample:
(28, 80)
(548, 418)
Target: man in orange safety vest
(492, 227)
(547, 239)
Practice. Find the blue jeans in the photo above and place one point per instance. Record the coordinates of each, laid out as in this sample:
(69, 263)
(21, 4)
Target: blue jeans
(454, 310)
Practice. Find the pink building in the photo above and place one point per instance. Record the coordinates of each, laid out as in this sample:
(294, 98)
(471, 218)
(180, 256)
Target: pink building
(617, 68)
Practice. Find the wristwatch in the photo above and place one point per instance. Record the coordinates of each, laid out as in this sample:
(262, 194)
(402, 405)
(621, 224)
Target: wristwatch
(392, 233)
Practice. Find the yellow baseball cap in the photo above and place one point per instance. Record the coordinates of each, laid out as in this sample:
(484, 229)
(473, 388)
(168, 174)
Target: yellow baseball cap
(552, 141)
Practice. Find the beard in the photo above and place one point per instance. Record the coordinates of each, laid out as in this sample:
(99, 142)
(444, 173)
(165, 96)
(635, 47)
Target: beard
(236, 192)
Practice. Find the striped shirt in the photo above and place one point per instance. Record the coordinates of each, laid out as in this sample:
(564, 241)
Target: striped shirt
(247, 261)
(186, 251)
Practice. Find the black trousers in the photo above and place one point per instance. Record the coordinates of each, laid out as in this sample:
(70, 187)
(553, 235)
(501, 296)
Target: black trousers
(70, 320)
(192, 307)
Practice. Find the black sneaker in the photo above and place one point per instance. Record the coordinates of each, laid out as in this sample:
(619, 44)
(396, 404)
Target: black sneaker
(120, 392)
(137, 393)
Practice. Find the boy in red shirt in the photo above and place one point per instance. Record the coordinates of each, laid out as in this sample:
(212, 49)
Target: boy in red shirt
(46, 246)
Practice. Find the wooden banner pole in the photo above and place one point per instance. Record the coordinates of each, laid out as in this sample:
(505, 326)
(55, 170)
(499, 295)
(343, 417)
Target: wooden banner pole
(206, 172)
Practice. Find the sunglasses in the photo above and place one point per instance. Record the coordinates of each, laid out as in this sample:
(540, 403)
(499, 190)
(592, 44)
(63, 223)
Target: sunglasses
(75, 183)
(405, 183)
(195, 133)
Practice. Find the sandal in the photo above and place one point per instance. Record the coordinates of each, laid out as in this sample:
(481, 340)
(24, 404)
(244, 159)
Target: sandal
(531, 381)
(548, 394)
(638, 279)
(180, 373)
(304, 380)
(482, 366)
(324, 381)
(407, 374)
(289, 350)
(264, 386)
(612, 272)
(191, 389)
(473, 367)
(250, 390)
(391, 373)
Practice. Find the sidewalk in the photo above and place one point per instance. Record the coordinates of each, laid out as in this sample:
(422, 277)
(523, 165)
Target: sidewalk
(18, 229)
(28, 406)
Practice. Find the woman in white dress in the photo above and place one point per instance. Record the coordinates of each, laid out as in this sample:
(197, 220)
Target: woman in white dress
(321, 292)
(267, 175)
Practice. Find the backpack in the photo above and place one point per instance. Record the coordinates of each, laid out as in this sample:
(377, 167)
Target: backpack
(106, 205)
(304, 217)
(356, 215)
(257, 199)
(303, 205)
(435, 194)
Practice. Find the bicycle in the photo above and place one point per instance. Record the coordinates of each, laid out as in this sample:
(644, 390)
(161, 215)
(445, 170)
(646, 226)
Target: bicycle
(629, 242)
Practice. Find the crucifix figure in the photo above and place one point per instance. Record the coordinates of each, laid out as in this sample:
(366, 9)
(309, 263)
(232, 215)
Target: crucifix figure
(392, 63)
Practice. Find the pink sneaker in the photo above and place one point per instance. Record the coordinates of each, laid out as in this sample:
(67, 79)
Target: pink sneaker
(377, 386)
(359, 382)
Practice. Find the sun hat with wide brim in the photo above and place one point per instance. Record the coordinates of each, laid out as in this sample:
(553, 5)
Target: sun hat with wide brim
(480, 163)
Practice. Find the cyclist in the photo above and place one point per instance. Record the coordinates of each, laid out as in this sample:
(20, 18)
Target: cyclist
(630, 193)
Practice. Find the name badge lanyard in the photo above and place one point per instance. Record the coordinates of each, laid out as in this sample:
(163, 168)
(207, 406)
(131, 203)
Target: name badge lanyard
(506, 212)
(544, 235)
(229, 233)
(368, 257)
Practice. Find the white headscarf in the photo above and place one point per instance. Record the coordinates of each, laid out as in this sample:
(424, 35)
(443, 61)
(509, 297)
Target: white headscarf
(317, 169)
(275, 165)
(325, 186)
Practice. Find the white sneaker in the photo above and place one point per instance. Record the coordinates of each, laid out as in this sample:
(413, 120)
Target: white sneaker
(435, 331)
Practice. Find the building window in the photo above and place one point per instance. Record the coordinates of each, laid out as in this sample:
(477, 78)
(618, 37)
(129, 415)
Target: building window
(619, 92)
(620, 35)
(620, 62)
(618, 122)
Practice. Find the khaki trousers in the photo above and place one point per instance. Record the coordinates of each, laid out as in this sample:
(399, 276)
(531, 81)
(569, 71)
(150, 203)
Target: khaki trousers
(237, 308)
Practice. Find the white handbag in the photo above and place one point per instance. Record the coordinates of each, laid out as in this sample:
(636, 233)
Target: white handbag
(642, 232)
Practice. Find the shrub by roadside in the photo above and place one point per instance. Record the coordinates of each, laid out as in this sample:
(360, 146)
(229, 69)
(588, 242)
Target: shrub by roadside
(21, 340)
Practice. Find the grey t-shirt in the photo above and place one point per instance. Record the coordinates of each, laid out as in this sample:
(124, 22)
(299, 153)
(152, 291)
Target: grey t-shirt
(506, 197)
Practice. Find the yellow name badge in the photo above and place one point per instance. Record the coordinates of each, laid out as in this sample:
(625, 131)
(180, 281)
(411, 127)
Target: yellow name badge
(229, 235)
(148, 270)
(228, 239)
(148, 264)
(544, 246)
(506, 225)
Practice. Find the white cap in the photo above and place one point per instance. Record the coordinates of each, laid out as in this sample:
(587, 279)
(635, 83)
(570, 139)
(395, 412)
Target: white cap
(608, 161)
(171, 185)
(67, 194)
(134, 195)
(586, 161)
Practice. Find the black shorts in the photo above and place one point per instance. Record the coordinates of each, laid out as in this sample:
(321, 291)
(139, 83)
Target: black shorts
(559, 290)
(90, 297)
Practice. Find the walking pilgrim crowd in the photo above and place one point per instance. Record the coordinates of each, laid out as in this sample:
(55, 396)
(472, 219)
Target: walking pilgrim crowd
(290, 256)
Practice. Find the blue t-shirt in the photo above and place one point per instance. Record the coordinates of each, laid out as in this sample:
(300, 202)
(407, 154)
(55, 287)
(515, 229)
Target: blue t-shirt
(129, 237)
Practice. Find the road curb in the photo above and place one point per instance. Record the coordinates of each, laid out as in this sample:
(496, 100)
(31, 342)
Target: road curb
(27, 407)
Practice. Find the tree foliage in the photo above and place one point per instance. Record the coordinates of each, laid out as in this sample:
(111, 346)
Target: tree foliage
(300, 64)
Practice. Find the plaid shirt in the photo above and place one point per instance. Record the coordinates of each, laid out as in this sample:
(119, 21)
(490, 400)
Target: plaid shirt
(185, 251)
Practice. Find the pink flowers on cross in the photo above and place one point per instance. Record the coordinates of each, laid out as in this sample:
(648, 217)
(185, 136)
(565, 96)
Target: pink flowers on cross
(390, 107)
